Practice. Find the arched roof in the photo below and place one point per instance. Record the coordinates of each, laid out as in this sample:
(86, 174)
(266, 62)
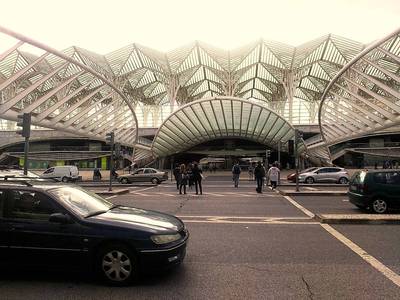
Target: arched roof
(62, 92)
(365, 95)
(220, 117)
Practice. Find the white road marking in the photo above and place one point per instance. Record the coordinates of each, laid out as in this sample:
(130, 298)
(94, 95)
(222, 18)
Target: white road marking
(111, 197)
(165, 194)
(140, 194)
(310, 188)
(384, 270)
(212, 194)
(303, 209)
(345, 200)
(152, 187)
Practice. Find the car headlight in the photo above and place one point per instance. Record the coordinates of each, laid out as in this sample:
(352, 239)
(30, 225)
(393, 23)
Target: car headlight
(165, 238)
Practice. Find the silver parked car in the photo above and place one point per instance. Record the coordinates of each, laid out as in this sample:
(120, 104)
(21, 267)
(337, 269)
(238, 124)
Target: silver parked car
(144, 175)
(325, 174)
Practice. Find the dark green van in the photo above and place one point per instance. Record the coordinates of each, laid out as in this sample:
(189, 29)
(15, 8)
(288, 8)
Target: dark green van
(375, 189)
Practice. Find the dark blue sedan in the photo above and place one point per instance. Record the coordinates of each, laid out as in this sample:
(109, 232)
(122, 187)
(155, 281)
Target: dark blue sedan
(44, 224)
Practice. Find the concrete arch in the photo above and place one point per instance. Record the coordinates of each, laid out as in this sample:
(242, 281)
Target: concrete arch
(221, 117)
(63, 92)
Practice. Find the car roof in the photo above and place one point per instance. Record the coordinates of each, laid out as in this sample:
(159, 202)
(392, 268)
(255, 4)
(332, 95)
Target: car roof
(30, 184)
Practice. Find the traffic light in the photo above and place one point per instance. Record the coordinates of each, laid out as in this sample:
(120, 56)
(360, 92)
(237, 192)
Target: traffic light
(299, 135)
(24, 121)
(110, 138)
(268, 152)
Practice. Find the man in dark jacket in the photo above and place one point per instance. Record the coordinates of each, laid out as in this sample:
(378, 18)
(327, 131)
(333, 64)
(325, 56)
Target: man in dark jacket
(259, 174)
(197, 177)
(176, 175)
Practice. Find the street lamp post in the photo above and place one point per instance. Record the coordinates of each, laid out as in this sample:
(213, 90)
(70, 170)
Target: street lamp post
(110, 141)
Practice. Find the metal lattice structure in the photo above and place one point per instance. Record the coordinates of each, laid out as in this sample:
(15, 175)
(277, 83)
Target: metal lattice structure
(364, 97)
(267, 71)
(221, 117)
(62, 91)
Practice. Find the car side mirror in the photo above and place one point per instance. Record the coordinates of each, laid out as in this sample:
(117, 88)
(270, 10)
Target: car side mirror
(60, 218)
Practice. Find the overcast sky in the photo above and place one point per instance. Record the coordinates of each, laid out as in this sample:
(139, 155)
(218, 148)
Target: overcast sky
(104, 26)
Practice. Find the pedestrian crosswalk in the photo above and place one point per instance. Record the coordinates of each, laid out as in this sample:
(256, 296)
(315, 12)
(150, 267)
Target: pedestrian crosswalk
(221, 195)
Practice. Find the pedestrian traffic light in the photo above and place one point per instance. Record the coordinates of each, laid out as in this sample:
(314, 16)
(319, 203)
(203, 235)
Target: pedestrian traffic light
(268, 152)
(299, 135)
(110, 138)
(24, 121)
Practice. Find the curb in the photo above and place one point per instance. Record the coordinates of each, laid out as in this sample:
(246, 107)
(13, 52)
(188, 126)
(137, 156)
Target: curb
(357, 219)
(312, 193)
(111, 193)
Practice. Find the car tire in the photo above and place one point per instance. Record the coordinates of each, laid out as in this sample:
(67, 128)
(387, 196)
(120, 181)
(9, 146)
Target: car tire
(343, 180)
(124, 180)
(155, 181)
(64, 179)
(116, 265)
(379, 206)
(309, 180)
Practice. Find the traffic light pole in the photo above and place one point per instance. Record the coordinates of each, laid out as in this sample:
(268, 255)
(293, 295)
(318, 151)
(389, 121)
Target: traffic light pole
(111, 166)
(26, 151)
(110, 141)
(296, 157)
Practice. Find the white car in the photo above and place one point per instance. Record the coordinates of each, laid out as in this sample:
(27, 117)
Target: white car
(325, 174)
(62, 173)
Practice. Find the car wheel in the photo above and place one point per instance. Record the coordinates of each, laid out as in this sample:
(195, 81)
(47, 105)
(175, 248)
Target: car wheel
(379, 206)
(64, 179)
(309, 180)
(155, 181)
(343, 180)
(124, 180)
(117, 265)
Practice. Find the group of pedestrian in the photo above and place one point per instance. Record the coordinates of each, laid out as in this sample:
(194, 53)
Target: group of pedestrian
(188, 175)
(260, 175)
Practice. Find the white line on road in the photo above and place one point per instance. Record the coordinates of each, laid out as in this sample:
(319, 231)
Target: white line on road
(111, 197)
(165, 194)
(303, 209)
(345, 200)
(212, 194)
(152, 187)
(384, 270)
(388, 273)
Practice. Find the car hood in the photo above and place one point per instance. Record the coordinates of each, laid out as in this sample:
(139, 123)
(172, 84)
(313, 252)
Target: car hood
(129, 217)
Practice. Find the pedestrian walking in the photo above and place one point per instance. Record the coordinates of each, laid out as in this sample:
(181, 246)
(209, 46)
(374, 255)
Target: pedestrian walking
(176, 175)
(183, 178)
(197, 177)
(259, 173)
(236, 174)
(189, 171)
(273, 175)
(251, 172)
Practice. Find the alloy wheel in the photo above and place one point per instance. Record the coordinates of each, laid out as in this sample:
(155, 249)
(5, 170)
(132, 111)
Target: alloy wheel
(379, 206)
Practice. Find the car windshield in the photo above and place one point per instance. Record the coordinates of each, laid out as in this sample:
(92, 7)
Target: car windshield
(358, 177)
(82, 202)
(308, 170)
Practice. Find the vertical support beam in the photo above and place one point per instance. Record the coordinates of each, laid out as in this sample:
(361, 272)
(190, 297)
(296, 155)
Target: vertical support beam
(288, 84)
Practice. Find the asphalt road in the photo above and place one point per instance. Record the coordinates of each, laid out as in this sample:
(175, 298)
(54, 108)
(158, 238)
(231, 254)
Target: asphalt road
(244, 246)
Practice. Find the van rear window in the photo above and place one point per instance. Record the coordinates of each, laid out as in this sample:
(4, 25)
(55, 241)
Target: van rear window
(358, 178)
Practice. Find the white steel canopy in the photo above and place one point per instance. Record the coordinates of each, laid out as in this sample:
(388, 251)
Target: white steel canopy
(62, 91)
(221, 117)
